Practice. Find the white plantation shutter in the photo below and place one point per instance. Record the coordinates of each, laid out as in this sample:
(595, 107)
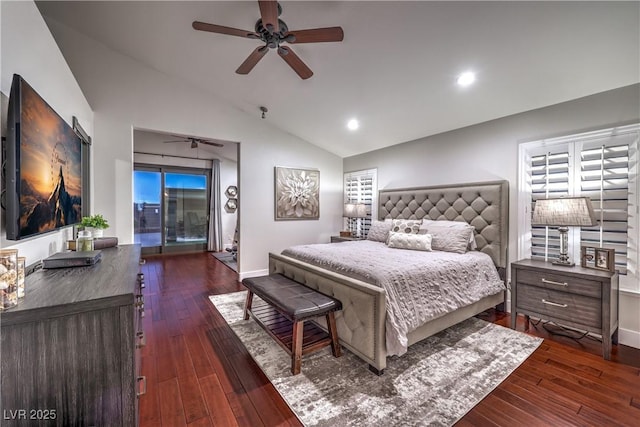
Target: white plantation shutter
(604, 177)
(601, 165)
(361, 187)
(550, 177)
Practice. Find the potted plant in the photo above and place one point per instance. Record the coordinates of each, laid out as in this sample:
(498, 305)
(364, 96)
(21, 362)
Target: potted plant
(96, 224)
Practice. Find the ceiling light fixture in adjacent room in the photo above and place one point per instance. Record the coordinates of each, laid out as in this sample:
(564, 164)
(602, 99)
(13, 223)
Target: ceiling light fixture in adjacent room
(353, 124)
(264, 112)
(466, 78)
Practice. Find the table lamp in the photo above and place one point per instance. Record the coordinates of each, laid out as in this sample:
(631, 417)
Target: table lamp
(353, 210)
(563, 213)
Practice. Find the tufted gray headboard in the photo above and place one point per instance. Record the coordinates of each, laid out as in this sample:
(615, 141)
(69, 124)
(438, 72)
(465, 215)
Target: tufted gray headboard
(485, 205)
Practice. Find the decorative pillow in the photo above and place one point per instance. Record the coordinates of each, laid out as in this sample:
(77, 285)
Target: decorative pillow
(453, 224)
(417, 242)
(379, 231)
(410, 226)
(448, 238)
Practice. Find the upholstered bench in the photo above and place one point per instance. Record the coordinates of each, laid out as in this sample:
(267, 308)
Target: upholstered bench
(296, 303)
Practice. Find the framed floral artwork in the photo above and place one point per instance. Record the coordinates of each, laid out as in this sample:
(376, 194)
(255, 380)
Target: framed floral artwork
(297, 193)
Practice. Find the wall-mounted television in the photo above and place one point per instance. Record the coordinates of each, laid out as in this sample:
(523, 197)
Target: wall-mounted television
(43, 166)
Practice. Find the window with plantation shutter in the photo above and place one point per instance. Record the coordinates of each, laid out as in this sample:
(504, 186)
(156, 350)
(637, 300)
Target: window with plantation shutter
(604, 177)
(361, 187)
(601, 165)
(549, 178)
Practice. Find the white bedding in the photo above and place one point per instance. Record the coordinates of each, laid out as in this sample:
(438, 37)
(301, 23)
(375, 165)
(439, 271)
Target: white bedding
(420, 286)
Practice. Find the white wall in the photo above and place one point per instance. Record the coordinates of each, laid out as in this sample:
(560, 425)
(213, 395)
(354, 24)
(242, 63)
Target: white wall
(228, 176)
(125, 95)
(489, 151)
(29, 49)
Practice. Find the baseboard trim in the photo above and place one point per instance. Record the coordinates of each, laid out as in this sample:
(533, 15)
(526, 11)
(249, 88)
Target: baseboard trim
(629, 338)
(256, 273)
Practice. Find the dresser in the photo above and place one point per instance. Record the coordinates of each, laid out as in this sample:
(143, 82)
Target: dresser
(70, 348)
(577, 297)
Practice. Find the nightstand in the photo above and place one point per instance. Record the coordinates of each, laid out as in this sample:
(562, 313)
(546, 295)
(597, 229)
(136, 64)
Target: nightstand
(581, 298)
(338, 239)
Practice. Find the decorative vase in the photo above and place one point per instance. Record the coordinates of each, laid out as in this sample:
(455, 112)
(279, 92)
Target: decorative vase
(95, 232)
(84, 242)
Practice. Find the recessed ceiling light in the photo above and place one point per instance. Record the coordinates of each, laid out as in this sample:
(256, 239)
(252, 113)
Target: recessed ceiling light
(353, 124)
(467, 78)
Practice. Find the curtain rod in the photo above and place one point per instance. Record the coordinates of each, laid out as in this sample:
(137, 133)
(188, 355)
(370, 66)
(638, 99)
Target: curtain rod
(178, 157)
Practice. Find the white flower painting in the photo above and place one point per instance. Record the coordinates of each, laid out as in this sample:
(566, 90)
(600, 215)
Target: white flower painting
(297, 193)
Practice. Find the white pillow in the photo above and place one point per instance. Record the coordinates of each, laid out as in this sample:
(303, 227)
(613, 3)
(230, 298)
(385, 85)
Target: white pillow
(379, 231)
(417, 242)
(451, 224)
(448, 238)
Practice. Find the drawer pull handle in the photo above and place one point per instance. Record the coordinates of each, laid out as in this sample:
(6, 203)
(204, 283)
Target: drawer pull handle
(555, 304)
(142, 380)
(143, 339)
(551, 282)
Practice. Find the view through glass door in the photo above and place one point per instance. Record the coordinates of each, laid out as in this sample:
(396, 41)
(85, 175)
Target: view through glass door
(170, 208)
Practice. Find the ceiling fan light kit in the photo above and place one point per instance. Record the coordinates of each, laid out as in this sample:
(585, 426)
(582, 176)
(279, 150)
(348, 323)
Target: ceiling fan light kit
(273, 31)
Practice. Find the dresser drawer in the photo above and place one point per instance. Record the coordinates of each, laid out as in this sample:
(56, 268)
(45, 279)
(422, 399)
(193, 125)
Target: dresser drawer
(559, 282)
(554, 305)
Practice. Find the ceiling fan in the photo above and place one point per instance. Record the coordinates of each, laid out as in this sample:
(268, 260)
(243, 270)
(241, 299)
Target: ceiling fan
(195, 141)
(273, 32)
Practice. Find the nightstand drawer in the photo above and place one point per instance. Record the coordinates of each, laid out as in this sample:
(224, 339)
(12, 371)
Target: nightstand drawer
(561, 283)
(554, 305)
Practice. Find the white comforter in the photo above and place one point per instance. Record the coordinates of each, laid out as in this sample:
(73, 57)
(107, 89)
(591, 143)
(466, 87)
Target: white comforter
(420, 286)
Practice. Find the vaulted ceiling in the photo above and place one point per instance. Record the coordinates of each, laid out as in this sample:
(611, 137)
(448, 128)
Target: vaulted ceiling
(396, 69)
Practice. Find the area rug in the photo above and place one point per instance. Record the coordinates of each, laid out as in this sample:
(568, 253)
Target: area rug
(227, 259)
(435, 383)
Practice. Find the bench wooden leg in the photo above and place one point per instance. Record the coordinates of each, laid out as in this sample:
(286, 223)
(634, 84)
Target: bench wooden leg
(296, 347)
(247, 304)
(333, 334)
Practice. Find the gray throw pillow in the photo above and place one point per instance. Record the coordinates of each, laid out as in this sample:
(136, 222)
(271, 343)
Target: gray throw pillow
(411, 226)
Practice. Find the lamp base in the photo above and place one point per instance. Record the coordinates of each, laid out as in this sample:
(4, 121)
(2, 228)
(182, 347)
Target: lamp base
(564, 252)
(564, 264)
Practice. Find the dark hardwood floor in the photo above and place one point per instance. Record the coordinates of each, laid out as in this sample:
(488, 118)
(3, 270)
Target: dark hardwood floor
(199, 374)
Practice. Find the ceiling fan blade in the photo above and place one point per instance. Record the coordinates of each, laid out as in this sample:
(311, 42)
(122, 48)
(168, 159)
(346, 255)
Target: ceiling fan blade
(221, 29)
(269, 14)
(207, 142)
(317, 35)
(182, 140)
(295, 62)
(252, 60)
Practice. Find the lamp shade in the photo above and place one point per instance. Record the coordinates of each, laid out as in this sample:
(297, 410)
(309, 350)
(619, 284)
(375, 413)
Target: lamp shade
(564, 212)
(355, 210)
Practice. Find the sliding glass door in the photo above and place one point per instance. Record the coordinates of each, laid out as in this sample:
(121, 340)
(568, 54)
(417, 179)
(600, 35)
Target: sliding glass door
(170, 208)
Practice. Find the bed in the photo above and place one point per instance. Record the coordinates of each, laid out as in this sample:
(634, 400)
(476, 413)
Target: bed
(362, 324)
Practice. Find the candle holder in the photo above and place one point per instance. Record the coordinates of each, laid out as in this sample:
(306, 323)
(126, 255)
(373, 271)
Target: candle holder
(8, 278)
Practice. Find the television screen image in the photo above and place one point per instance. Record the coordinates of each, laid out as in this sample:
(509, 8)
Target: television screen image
(44, 166)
